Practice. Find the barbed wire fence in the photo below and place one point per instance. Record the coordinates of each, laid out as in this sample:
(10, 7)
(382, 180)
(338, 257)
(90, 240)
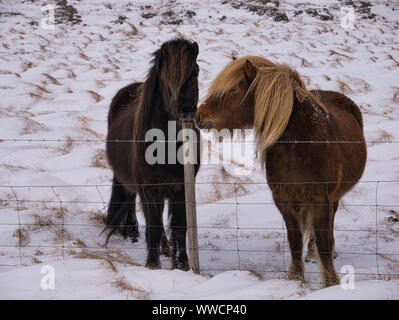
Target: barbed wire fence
(57, 200)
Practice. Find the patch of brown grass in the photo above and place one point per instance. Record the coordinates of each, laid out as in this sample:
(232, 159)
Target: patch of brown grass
(344, 87)
(393, 59)
(28, 65)
(4, 204)
(40, 88)
(71, 75)
(122, 284)
(67, 147)
(83, 56)
(45, 222)
(52, 79)
(84, 126)
(36, 260)
(13, 167)
(395, 97)
(39, 252)
(96, 216)
(362, 85)
(80, 243)
(304, 62)
(61, 234)
(332, 52)
(367, 109)
(258, 274)
(109, 256)
(9, 72)
(238, 188)
(100, 160)
(95, 95)
(391, 265)
(37, 96)
(384, 136)
(57, 210)
(100, 84)
(134, 31)
(23, 236)
(41, 221)
(32, 126)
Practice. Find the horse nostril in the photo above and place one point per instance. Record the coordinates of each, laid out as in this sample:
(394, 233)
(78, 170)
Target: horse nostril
(209, 125)
(197, 119)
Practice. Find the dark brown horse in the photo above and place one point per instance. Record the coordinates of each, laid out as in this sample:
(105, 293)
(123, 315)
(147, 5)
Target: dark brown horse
(310, 142)
(169, 92)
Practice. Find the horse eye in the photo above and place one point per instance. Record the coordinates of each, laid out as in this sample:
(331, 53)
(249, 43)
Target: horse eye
(233, 90)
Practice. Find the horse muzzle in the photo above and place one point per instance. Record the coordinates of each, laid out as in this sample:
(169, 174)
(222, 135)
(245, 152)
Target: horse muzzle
(201, 122)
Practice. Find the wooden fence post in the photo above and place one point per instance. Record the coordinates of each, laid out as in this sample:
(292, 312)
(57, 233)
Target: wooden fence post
(189, 183)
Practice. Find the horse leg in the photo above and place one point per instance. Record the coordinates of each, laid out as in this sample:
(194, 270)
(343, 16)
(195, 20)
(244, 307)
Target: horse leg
(177, 212)
(130, 226)
(164, 244)
(153, 209)
(335, 208)
(312, 254)
(292, 216)
(323, 220)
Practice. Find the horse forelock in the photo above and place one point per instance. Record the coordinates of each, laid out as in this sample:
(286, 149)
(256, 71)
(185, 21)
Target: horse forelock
(176, 64)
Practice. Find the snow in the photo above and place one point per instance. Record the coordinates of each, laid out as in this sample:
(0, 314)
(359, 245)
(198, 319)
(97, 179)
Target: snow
(91, 279)
(58, 84)
(367, 290)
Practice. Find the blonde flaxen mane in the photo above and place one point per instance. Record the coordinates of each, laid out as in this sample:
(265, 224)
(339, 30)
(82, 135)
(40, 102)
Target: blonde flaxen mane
(273, 88)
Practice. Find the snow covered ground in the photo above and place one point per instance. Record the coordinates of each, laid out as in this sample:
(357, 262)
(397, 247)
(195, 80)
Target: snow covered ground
(57, 84)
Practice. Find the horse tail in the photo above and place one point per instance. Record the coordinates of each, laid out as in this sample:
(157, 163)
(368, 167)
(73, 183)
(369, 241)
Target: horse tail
(122, 212)
(306, 224)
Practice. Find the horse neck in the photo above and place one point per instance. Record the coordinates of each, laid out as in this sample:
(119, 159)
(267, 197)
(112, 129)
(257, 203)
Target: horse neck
(300, 126)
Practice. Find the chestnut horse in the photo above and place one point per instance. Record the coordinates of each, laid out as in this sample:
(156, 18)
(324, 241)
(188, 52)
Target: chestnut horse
(310, 142)
(169, 93)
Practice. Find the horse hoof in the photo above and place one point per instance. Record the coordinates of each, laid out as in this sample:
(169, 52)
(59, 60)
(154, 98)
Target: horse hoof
(311, 256)
(312, 260)
(331, 280)
(153, 265)
(296, 276)
(181, 264)
(165, 251)
(135, 239)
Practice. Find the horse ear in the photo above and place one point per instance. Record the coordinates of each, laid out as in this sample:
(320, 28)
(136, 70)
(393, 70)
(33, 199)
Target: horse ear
(249, 70)
(161, 54)
(164, 51)
(195, 48)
